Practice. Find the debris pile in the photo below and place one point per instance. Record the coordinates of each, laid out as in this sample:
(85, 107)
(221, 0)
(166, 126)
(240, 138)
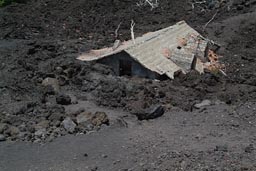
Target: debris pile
(51, 123)
(214, 64)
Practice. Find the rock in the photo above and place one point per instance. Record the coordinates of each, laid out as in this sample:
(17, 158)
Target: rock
(83, 117)
(50, 138)
(63, 99)
(151, 113)
(69, 72)
(55, 117)
(69, 125)
(2, 137)
(203, 104)
(37, 140)
(104, 156)
(22, 135)
(14, 131)
(22, 127)
(199, 136)
(116, 162)
(100, 118)
(249, 148)
(56, 123)
(40, 132)
(223, 148)
(210, 4)
(52, 82)
(77, 111)
(240, 7)
(74, 100)
(59, 70)
(95, 168)
(83, 128)
(120, 122)
(63, 80)
(19, 109)
(42, 125)
(3, 127)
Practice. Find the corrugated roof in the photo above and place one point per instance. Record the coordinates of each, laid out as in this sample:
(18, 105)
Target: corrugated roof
(148, 49)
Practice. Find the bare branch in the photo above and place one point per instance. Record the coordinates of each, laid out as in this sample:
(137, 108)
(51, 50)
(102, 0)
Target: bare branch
(116, 31)
(210, 41)
(132, 32)
(210, 20)
(222, 72)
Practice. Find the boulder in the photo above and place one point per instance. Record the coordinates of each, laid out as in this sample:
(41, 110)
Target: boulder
(83, 117)
(100, 118)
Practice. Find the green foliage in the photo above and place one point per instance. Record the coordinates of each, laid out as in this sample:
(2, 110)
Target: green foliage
(1, 3)
(7, 2)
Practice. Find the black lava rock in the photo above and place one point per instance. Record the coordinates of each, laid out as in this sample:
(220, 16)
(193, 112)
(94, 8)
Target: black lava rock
(151, 113)
(249, 148)
(63, 99)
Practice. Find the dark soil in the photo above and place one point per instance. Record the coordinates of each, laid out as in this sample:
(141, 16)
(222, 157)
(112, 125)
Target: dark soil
(40, 40)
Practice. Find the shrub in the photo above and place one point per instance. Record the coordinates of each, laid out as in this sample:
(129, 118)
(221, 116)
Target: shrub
(7, 2)
(1, 3)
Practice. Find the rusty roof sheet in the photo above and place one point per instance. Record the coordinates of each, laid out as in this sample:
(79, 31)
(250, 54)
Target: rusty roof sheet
(149, 49)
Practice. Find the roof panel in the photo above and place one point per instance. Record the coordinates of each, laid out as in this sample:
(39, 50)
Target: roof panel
(149, 48)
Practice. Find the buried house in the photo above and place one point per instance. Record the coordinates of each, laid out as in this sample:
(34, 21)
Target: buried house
(155, 54)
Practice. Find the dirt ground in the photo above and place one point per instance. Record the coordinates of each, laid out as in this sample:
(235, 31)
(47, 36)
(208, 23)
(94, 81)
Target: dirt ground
(48, 97)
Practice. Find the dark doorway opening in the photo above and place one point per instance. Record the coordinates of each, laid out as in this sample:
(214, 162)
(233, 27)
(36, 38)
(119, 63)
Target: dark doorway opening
(125, 67)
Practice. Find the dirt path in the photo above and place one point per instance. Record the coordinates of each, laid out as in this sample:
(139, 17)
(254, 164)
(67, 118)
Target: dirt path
(205, 139)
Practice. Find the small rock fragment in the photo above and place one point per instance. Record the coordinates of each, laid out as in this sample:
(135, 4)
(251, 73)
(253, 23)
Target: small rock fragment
(151, 113)
(249, 148)
(104, 156)
(42, 124)
(223, 148)
(95, 168)
(14, 130)
(2, 137)
(40, 132)
(52, 82)
(59, 70)
(240, 7)
(69, 125)
(2, 127)
(203, 104)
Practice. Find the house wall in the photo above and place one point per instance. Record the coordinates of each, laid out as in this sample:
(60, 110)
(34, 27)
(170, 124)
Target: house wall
(136, 68)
